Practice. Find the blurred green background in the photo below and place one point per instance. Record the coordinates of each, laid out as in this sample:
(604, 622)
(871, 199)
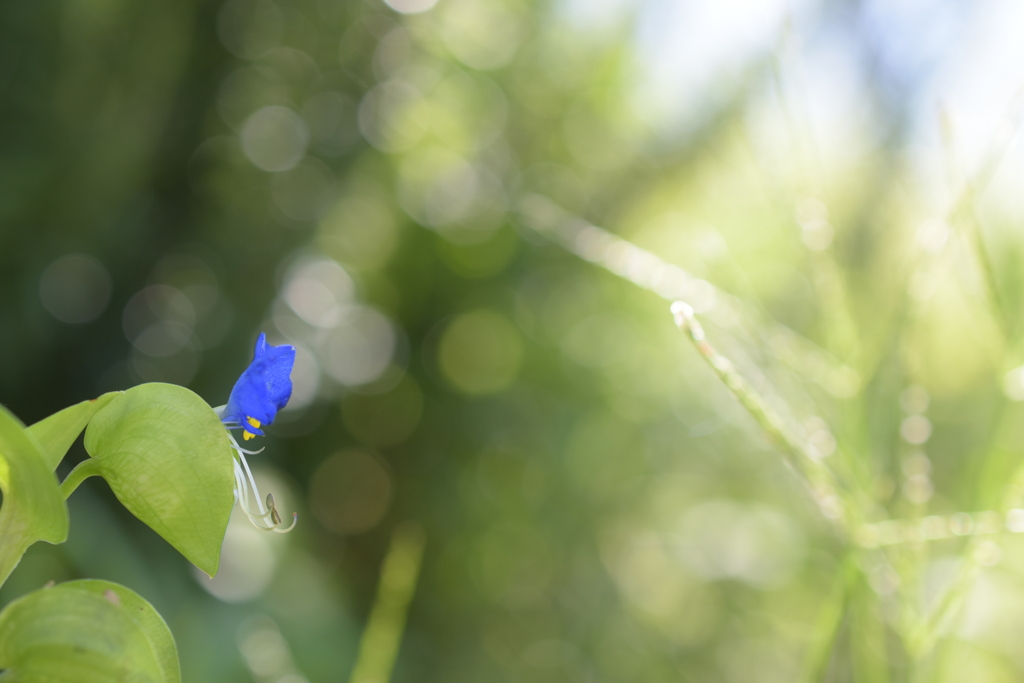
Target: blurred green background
(350, 176)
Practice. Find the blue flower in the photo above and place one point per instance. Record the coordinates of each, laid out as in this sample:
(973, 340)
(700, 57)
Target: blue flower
(263, 389)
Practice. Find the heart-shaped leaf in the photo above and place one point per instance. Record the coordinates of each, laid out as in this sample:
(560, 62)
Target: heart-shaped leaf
(167, 458)
(87, 632)
(33, 509)
(56, 433)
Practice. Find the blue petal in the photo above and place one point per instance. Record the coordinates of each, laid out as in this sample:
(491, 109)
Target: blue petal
(261, 346)
(264, 387)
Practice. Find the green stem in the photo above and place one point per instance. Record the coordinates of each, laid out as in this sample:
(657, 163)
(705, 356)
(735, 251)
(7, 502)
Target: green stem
(378, 648)
(84, 470)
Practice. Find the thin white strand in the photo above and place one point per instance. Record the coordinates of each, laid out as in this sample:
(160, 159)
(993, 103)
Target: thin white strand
(234, 444)
(240, 482)
(279, 530)
(244, 480)
(252, 480)
(246, 508)
(243, 496)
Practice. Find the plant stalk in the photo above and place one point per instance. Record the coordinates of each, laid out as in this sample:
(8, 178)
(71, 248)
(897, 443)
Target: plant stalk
(84, 470)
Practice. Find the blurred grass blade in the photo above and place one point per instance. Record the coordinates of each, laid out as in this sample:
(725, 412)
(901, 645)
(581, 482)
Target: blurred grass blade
(963, 213)
(33, 509)
(56, 433)
(827, 626)
(800, 455)
(951, 600)
(87, 632)
(670, 282)
(378, 648)
(868, 635)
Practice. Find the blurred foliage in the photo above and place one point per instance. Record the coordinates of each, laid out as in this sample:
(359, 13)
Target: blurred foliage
(178, 176)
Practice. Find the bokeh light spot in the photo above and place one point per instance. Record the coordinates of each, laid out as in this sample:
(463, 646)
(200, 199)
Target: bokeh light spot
(305, 192)
(480, 352)
(480, 259)
(389, 116)
(684, 608)
(350, 492)
(722, 539)
(332, 122)
(916, 429)
(600, 340)
(245, 90)
(482, 34)
(159, 321)
(360, 349)
(162, 338)
(361, 229)
(914, 399)
(247, 564)
(75, 288)
(411, 6)
(514, 565)
(265, 651)
(316, 289)
(384, 419)
(157, 304)
(249, 28)
(441, 189)
(275, 138)
(1013, 384)
(605, 456)
(470, 112)
(305, 380)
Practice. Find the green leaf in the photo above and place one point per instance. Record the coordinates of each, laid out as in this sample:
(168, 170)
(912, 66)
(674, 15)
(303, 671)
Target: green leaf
(146, 618)
(167, 458)
(56, 433)
(33, 509)
(86, 632)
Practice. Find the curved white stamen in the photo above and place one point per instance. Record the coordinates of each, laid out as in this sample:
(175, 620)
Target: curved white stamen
(252, 480)
(254, 517)
(295, 520)
(265, 519)
(242, 484)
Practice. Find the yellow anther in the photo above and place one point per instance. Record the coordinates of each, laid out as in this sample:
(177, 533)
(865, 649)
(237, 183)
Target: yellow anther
(248, 435)
(254, 422)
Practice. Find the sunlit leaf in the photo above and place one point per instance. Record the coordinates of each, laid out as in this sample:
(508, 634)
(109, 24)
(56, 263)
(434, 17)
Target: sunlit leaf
(86, 631)
(56, 433)
(33, 509)
(168, 460)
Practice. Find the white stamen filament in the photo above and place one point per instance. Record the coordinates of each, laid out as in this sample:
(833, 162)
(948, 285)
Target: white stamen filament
(267, 520)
